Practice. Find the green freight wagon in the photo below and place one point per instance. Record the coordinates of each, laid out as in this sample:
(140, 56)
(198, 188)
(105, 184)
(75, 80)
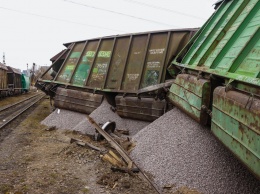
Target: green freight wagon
(218, 78)
(129, 70)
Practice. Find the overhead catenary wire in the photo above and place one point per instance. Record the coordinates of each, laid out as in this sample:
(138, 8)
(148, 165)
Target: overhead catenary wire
(58, 19)
(165, 9)
(119, 13)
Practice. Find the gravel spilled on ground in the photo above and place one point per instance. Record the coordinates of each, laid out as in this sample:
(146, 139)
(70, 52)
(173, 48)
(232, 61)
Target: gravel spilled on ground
(174, 149)
(63, 119)
(66, 119)
(177, 150)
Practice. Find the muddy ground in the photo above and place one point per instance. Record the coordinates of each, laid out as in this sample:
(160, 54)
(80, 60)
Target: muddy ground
(35, 159)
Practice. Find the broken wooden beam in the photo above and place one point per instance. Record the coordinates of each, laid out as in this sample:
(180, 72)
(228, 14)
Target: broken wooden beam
(110, 140)
(110, 159)
(116, 157)
(123, 131)
(120, 150)
(85, 144)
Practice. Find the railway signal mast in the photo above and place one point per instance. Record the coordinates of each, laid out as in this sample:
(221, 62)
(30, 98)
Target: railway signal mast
(32, 74)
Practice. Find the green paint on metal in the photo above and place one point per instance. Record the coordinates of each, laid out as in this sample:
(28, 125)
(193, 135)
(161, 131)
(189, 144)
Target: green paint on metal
(220, 31)
(95, 70)
(70, 64)
(75, 55)
(81, 74)
(69, 68)
(235, 122)
(239, 39)
(202, 34)
(248, 61)
(228, 45)
(25, 82)
(190, 94)
(100, 65)
(104, 54)
(242, 78)
(187, 101)
(85, 63)
(90, 54)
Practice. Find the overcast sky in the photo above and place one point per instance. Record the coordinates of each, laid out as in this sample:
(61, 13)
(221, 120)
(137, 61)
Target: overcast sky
(32, 31)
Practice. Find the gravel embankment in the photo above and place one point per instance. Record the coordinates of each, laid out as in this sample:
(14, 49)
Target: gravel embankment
(177, 150)
(63, 119)
(76, 121)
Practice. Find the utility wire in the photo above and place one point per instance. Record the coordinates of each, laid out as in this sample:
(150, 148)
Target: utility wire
(165, 9)
(58, 19)
(119, 13)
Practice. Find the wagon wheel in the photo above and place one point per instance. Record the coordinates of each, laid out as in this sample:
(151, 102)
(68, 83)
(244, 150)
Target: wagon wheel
(10, 93)
(108, 127)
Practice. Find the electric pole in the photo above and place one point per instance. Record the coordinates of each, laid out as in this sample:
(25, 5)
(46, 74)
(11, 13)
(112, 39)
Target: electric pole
(4, 58)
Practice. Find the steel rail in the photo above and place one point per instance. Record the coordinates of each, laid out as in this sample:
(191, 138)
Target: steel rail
(19, 112)
(11, 105)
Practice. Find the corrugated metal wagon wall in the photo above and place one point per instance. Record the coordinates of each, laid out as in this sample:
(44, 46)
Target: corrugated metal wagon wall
(218, 78)
(121, 65)
(124, 63)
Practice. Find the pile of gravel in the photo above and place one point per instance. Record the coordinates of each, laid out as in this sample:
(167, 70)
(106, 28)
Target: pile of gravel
(63, 119)
(103, 114)
(78, 122)
(177, 150)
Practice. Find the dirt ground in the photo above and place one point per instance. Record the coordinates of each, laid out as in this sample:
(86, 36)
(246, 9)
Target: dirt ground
(35, 159)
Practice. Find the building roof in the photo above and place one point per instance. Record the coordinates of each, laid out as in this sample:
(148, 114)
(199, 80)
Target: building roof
(13, 70)
(2, 66)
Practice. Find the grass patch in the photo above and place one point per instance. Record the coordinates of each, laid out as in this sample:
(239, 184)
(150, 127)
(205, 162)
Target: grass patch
(33, 121)
(4, 188)
(25, 188)
(54, 175)
(85, 190)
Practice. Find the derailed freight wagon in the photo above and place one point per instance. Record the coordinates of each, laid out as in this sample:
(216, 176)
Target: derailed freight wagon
(218, 78)
(129, 70)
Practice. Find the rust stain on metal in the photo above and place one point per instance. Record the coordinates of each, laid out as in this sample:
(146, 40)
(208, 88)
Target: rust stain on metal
(235, 122)
(146, 109)
(79, 101)
(192, 95)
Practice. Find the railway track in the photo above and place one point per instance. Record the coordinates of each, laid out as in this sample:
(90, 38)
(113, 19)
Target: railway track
(10, 112)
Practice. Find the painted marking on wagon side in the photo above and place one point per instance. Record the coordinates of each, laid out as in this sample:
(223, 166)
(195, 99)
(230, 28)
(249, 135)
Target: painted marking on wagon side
(132, 77)
(156, 51)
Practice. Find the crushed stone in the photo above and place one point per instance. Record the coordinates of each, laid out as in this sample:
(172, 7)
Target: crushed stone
(78, 122)
(175, 149)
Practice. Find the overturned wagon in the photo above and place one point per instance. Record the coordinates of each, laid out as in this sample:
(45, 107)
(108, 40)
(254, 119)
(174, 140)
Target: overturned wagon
(215, 78)
(218, 78)
(129, 70)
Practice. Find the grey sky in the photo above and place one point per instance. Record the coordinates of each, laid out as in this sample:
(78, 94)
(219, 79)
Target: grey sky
(35, 30)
